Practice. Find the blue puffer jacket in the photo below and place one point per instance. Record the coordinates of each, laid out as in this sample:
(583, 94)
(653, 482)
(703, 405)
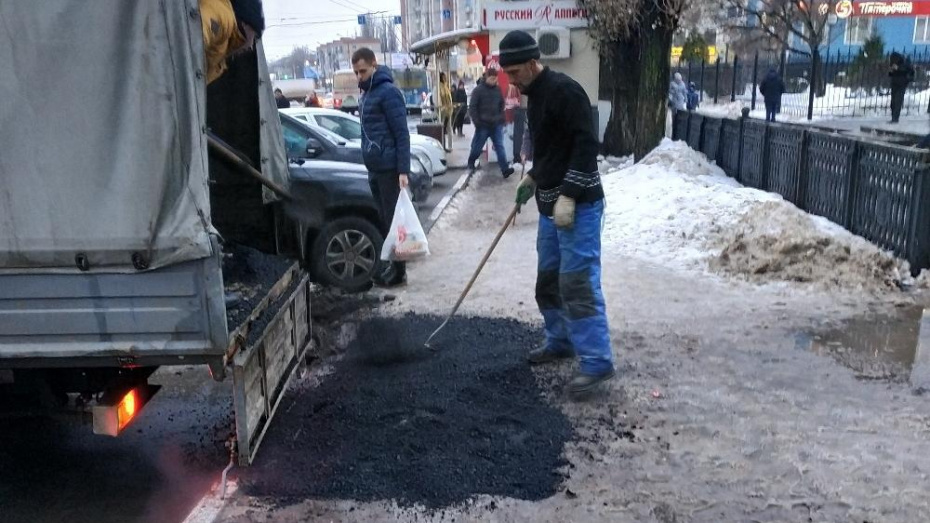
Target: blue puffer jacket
(385, 138)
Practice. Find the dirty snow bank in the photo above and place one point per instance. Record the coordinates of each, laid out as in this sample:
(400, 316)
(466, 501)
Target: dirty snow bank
(676, 209)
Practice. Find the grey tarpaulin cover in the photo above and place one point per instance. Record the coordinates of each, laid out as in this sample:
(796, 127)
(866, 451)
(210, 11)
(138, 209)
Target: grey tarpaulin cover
(102, 150)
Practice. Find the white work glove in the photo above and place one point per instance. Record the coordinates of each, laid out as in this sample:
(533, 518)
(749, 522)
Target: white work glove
(564, 213)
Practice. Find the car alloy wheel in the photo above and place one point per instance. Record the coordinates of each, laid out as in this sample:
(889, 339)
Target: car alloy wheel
(350, 254)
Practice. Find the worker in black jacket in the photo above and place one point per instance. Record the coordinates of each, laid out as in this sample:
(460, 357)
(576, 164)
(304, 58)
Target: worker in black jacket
(570, 198)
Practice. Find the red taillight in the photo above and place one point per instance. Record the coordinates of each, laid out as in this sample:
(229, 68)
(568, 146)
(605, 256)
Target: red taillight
(113, 413)
(337, 102)
(126, 409)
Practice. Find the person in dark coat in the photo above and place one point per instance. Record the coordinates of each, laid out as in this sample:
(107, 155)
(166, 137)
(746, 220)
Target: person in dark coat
(487, 115)
(460, 101)
(694, 99)
(771, 88)
(901, 74)
(385, 146)
(281, 101)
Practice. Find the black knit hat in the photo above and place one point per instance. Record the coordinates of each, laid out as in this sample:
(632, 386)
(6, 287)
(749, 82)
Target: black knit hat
(518, 47)
(250, 12)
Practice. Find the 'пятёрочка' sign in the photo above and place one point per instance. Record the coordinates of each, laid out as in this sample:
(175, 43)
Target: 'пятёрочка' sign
(881, 8)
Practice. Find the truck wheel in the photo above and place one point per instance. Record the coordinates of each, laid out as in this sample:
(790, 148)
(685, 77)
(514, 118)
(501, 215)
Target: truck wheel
(345, 254)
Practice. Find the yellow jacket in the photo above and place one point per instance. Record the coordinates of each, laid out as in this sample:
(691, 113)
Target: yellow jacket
(445, 101)
(221, 35)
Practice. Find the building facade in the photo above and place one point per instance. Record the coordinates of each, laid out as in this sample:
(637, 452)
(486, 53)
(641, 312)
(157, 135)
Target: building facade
(903, 25)
(421, 19)
(337, 54)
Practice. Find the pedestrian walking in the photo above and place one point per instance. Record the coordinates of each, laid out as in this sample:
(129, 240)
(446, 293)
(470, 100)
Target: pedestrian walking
(385, 146)
(901, 74)
(312, 100)
(570, 198)
(694, 99)
(677, 101)
(280, 100)
(460, 104)
(771, 88)
(487, 115)
(677, 94)
(445, 103)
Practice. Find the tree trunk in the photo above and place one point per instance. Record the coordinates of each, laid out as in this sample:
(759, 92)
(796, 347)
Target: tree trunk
(639, 80)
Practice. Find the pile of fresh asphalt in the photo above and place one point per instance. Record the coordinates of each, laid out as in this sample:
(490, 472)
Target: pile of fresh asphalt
(397, 421)
(248, 275)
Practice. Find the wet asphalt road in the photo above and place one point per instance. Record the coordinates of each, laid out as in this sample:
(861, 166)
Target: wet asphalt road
(54, 470)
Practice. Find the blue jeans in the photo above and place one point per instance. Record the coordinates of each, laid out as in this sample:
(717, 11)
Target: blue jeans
(568, 288)
(496, 134)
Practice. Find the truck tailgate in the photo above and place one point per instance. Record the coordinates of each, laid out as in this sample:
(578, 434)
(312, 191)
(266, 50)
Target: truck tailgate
(171, 315)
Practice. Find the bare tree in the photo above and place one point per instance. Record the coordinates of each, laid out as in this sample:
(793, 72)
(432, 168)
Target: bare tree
(799, 26)
(787, 22)
(634, 38)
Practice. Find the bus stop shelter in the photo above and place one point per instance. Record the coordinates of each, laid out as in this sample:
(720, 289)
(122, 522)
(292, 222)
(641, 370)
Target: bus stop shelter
(436, 49)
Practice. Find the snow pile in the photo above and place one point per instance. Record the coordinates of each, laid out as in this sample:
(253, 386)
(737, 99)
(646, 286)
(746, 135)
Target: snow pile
(612, 163)
(676, 209)
(670, 206)
(777, 241)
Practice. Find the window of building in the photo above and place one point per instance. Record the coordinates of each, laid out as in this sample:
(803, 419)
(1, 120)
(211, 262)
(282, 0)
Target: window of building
(858, 30)
(922, 30)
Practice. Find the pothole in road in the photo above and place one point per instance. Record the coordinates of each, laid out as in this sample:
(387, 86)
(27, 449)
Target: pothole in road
(888, 347)
(398, 421)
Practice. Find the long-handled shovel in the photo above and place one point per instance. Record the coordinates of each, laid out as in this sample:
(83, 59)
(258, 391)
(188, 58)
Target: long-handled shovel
(474, 277)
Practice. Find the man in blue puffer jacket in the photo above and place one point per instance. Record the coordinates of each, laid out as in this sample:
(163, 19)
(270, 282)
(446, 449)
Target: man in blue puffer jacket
(385, 146)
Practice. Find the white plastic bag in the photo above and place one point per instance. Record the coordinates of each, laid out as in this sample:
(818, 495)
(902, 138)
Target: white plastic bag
(406, 240)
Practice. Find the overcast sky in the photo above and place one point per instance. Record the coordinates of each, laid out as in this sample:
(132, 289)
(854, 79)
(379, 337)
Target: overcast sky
(294, 23)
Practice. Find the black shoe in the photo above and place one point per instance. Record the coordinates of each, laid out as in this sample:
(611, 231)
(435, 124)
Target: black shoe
(394, 274)
(543, 355)
(507, 172)
(585, 383)
(383, 273)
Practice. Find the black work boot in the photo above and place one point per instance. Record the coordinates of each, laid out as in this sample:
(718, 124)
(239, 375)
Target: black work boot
(507, 172)
(394, 275)
(543, 355)
(582, 384)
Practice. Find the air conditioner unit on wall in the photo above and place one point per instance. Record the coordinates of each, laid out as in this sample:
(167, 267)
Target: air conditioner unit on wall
(554, 42)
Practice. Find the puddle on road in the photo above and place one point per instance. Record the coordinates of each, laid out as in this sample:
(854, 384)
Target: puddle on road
(894, 348)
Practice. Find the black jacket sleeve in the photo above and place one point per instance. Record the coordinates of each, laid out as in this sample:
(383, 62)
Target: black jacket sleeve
(582, 167)
(474, 106)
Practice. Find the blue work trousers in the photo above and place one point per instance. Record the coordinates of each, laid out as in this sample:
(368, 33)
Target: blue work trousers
(568, 288)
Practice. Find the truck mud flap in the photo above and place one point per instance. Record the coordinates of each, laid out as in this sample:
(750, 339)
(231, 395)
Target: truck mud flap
(262, 371)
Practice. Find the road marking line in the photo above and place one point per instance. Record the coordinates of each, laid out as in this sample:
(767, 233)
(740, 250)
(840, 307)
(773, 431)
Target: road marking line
(210, 506)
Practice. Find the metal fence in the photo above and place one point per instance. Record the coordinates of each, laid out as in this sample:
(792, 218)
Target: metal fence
(878, 191)
(847, 85)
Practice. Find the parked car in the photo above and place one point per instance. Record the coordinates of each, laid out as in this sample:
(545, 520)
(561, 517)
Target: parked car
(342, 247)
(426, 149)
(307, 142)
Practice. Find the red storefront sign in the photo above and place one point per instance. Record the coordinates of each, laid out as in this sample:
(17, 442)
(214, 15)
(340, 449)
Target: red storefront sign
(881, 8)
